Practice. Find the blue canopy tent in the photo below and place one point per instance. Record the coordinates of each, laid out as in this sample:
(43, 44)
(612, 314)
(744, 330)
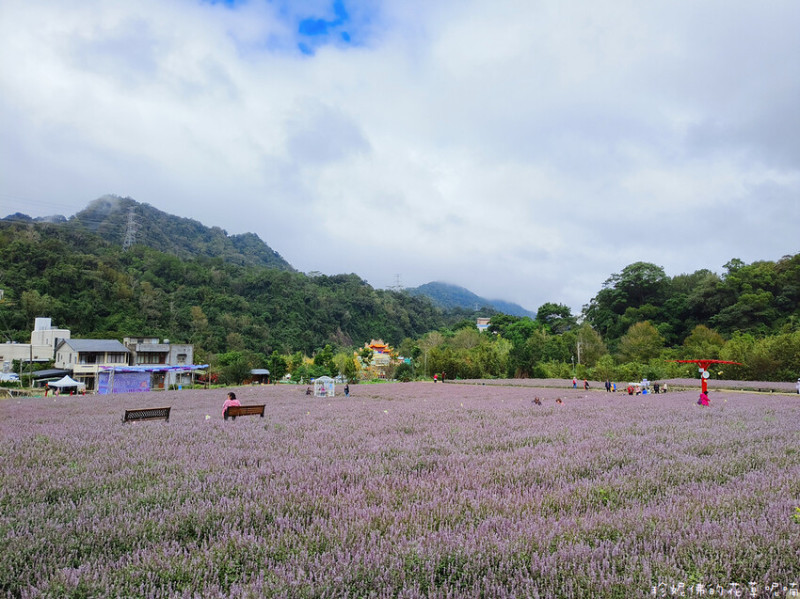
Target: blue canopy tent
(129, 379)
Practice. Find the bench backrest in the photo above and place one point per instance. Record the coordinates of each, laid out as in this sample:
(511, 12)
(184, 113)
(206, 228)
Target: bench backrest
(234, 411)
(146, 414)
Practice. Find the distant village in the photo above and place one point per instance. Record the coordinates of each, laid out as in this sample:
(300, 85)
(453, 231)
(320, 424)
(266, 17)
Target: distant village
(135, 364)
(102, 365)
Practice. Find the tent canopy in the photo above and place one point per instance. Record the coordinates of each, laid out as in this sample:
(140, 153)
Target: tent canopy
(67, 381)
(324, 386)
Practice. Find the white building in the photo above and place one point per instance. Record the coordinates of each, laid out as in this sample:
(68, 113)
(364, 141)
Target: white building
(44, 339)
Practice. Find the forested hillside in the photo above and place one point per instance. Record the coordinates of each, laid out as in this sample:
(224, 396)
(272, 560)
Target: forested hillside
(448, 296)
(109, 216)
(227, 295)
(762, 298)
(638, 324)
(96, 289)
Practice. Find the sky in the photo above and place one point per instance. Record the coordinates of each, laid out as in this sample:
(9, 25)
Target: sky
(526, 150)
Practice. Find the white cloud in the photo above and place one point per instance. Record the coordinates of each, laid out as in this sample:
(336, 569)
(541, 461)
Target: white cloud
(526, 151)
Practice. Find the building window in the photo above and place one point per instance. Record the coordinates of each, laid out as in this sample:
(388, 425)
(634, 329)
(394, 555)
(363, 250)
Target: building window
(181, 358)
(150, 358)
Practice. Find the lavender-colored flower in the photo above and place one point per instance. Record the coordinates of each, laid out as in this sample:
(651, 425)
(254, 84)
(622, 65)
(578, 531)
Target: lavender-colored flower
(401, 490)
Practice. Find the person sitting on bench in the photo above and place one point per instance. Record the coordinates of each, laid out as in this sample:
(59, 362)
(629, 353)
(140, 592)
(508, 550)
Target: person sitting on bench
(231, 401)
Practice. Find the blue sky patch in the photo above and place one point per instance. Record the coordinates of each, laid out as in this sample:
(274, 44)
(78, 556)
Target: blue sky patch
(330, 23)
(228, 3)
(316, 31)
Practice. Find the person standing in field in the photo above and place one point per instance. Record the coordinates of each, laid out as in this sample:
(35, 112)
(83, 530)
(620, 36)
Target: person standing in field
(704, 401)
(574, 382)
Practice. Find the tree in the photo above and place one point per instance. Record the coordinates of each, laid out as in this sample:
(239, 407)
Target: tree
(641, 283)
(426, 344)
(556, 318)
(605, 370)
(641, 343)
(152, 304)
(199, 323)
(752, 311)
(366, 356)
(350, 370)
(277, 366)
(465, 338)
(234, 340)
(638, 284)
(344, 363)
(703, 342)
(591, 345)
(491, 356)
(404, 372)
(294, 361)
(324, 359)
(34, 304)
(234, 368)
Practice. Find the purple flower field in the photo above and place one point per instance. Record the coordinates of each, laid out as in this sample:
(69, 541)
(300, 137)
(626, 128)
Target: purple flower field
(402, 490)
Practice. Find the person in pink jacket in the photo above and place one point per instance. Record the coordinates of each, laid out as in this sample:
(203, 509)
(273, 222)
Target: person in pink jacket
(703, 401)
(231, 401)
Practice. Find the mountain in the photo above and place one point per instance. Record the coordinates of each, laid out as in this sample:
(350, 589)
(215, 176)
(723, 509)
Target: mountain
(18, 216)
(448, 296)
(110, 217)
(91, 285)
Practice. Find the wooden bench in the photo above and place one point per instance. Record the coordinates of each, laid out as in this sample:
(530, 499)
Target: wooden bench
(146, 414)
(234, 411)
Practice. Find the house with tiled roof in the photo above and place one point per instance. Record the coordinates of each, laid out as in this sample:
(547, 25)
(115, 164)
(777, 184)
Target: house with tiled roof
(85, 357)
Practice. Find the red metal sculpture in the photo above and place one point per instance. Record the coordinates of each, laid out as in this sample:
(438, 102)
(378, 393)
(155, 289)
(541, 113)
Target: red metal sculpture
(704, 364)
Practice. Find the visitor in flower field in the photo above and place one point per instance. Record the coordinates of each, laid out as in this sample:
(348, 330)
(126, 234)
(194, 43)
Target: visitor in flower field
(347, 390)
(574, 382)
(585, 385)
(703, 401)
(231, 401)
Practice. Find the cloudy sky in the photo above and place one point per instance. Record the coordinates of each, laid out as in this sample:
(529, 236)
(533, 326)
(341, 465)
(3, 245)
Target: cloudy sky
(523, 149)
